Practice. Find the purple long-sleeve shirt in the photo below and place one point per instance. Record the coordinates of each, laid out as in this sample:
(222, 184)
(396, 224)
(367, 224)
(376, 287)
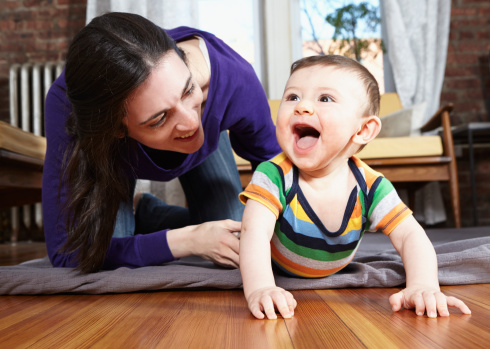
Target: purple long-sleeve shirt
(236, 102)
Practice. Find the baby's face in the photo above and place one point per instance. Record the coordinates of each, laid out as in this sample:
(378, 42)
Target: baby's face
(321, 110)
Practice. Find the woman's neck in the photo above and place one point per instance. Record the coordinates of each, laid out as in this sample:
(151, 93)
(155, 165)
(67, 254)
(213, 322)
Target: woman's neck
(197, 64)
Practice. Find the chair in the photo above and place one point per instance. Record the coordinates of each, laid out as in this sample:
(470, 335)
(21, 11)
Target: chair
(409, 160)
(21, 168)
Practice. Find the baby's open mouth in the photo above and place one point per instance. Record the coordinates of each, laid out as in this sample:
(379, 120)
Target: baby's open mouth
(306, 136)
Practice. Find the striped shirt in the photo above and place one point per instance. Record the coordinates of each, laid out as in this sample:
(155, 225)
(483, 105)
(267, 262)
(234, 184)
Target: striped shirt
(301, 245)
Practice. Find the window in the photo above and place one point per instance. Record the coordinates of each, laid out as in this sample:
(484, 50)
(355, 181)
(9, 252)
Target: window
(317, 34)
(237, 23)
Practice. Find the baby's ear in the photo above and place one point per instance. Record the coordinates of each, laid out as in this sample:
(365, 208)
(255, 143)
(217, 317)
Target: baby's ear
(368, 131)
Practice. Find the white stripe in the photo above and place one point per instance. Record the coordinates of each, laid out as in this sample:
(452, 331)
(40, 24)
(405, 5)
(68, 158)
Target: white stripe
(262, 180)
(312, 263)
(383, 208)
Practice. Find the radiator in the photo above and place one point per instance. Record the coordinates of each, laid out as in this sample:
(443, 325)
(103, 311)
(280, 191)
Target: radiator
(29, 84)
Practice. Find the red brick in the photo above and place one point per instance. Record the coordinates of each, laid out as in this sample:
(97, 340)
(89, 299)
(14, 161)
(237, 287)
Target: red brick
(8, 26)
(9, 5)
(466, 35)
(14, 36)
(475, 22)
(37, 3)
(484, 12)
(473, 46)
(466, 106)
(448, 96)
(484, 35)
(52, 13)
(52, 35)
(462, 58)
(72, 2)
(43, 25)
(475, 95)
(463, 12)
(456, 70)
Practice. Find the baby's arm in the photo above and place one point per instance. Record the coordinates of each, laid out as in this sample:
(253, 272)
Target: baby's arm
(255, 264)
(422, 290)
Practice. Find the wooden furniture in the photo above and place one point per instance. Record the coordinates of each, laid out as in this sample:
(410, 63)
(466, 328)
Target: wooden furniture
(421, 169)
(21, 169)
(337, 318)
(21, 166)
(20, 179)
(412, 170)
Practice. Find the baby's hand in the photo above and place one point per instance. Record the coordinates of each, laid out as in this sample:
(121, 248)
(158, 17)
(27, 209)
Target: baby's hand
(263, 301)
(431, 300)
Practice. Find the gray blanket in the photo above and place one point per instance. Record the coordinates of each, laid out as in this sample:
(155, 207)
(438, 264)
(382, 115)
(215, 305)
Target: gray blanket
(463, 257)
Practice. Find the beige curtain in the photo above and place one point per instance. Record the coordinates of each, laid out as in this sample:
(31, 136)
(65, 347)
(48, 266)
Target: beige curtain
(166, 13)
(416, 34)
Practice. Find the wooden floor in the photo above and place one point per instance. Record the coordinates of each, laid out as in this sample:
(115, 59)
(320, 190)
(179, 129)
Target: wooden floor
(345, 318)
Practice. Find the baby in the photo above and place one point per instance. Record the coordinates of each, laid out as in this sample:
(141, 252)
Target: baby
(307, 208)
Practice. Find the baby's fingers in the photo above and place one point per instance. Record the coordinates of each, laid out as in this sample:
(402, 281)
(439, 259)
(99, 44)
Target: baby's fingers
(457, 303)
(291, 302)
(396, 301)
(284, 303)
(256, 311)
(268, 307)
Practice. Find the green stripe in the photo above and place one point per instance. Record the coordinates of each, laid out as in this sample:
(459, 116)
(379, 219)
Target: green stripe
(270, 170)
(361, 200)
(384, 188)
(318, 255)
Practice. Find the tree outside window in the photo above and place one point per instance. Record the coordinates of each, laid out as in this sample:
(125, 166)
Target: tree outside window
(349, 28)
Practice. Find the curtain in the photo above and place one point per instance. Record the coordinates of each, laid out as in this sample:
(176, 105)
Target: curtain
(165, 13)
(416, 38)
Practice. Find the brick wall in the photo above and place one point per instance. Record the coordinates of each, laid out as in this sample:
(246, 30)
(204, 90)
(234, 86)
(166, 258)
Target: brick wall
(469, 39)
(35, 31)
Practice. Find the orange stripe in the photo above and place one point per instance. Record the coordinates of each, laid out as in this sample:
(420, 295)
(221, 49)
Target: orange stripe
(257, 193)
(370, 174)
(301, 270)
(283, 162)
(393, 218)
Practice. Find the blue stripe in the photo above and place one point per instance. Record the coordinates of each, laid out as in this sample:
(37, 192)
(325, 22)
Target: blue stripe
(315, 243)
(311, 230)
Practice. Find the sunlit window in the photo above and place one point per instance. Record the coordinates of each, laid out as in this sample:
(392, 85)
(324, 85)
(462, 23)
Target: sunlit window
(236, 23)
(319, 20)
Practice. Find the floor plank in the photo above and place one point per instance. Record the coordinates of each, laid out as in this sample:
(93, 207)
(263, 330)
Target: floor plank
(13, 254)
(315, 322)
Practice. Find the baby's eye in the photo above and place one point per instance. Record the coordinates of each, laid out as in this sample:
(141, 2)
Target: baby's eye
(325, 99)
(292, 98)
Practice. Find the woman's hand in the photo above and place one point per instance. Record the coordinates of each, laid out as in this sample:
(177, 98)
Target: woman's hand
(214, 241)
(428, 300)
(266, 300)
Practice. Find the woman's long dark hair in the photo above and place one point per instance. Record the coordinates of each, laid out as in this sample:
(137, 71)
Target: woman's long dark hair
(110, 57)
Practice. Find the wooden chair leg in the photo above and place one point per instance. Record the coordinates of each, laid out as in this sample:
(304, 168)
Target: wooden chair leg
(454, 190)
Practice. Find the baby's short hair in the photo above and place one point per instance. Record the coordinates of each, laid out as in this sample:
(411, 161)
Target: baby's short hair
(342, 62)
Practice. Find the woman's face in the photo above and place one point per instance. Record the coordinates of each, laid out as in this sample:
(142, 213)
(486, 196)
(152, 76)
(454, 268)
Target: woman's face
(165, 111)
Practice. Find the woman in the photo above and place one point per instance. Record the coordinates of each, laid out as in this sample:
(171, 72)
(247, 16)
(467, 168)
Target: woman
(132, 104)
